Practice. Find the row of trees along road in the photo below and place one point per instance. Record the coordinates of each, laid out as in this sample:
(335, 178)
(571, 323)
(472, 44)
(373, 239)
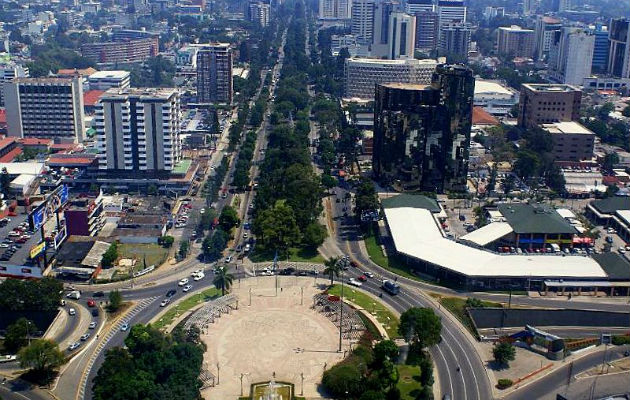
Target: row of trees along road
(288, 201)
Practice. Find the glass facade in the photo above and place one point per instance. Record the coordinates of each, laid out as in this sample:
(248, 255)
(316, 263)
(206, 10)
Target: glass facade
(422, 132)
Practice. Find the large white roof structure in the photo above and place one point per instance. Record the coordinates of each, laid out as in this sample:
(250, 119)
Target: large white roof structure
(416, 234)
(488, 233)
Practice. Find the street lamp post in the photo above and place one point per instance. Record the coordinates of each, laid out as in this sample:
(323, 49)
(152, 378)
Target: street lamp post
(218, 374)
(302, 390)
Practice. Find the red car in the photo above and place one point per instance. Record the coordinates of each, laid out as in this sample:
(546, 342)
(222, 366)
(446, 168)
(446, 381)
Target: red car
(362, 278)
(354, 264)
(91, 303)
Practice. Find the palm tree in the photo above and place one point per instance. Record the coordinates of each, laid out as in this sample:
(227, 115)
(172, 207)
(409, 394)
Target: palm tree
(332, 268)
(223, 279)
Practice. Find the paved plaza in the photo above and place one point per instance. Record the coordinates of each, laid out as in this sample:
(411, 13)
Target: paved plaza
(276, 334)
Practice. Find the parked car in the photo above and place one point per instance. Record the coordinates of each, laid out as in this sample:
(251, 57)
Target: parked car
(124, 327)
(91, 303)
(165, 302)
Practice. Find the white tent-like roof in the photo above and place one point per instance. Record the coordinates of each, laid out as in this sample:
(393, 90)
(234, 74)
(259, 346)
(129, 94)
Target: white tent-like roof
(488, 233)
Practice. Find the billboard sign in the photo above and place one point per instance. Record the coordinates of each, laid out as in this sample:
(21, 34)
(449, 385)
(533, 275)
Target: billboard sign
(37, 250)
(60, 237)
(53, 202)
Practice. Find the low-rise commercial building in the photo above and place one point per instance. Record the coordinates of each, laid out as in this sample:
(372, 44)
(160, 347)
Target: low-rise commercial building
(571, 141)
(494, 97)
(104, 80)
(122, 51)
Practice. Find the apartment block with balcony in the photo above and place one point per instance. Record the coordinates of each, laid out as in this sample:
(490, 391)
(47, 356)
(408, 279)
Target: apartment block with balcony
(138, 130)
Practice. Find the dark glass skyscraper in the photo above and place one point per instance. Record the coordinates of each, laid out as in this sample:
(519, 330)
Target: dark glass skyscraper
(422, 132)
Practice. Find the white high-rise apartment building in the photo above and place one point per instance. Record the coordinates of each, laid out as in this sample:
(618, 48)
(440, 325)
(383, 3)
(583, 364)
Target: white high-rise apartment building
(9, 71)
(545, 28)
(259, 12)
(451, 11)
(46, 108)
(415, 6)
(402, 35)
(138, 130)
(335, 9)
(362, 74)
(571, 55)
(363, 20)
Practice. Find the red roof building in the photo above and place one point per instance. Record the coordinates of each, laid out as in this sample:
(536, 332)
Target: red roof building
(482, 117)
(91, 97)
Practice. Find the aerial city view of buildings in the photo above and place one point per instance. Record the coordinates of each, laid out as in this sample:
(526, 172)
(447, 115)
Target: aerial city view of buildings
(314, 199)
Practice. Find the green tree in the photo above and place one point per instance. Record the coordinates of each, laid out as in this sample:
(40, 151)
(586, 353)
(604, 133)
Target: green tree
(333, 268)
(110, 256)
(503, 353)
(167, 241)
(17, 334)
(626, 111)
(365, 199)
(610, 160)
(421, 326)
(42, 357)
(152, 190)
(184, 246)
(115, 301)
(343, 381)
(277, 228)
(223, 279)
(314, 235)
(30, 295)
(228, 218)
(328, 182)
(527, 164)
(385, 350)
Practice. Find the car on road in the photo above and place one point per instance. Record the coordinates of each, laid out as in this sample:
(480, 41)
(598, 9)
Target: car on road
(124, 327)
(197, 272)
(95, 312)
(228, 259)
(362, 278)
(186, 288)
(165, 302)
(92, 325)
(245, 235)
(368, 274)
(354, 264)
(287, 271)
(72, 311)
(391, 287)
(609, 239)
(354, 282)
(171, 293)
(182, 282)
(91, 303)
(74, 346)
(99, 294)
(199, 277)
(85, 337)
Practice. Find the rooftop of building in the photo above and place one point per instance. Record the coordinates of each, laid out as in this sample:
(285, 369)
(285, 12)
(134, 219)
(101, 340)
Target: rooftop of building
(483, 86)
(551, 20)
(117, 93)
(44, 81)
(412, 201)
(3, 116)
(20, 168)
(75, 71)
(110, 75)
(539, 218)
(142, 219)
(400, 61)
(611, 204)
(550, 87)
(7, 141)
(36, 142)
(515, 28)
(404, 86)
(616, 266)
(11, 155)
(567, 127)
(211, 44)
(91, 97)
(482, 117)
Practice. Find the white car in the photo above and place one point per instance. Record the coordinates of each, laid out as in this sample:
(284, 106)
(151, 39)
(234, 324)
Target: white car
(187, 288)
(622, 250)
(164, 302)
(368, 274)
(197, 272)
(92, 325)
(245, 235)
(354, 282)
(183, 282)
(199, 277)
(124, 327)
(72, 311)
(74, 346)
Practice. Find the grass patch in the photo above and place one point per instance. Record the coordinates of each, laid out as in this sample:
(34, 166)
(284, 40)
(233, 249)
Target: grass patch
(175, 310)
(369, 325)
(296, 254)
(457, 307)
(409, 381)
(154, 253)
(373, 306)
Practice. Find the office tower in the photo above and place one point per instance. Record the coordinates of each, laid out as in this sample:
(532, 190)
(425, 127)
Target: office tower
(515, 41)
(427, 30)
(451, 11)
(362, 74)
(104, 80)
(138, 130)
(422, 132)
(562, 5)
(402, 34)
(363, 20)
(600, 50)
(382, 14)
(545, 27)
(8, 71)
(259, 13)
(335, 9)
(529, 7)
(50, 108)
(548, 103)
(571, 55)
(214, 73)
(455, 39)
(415, 6)
(619, 53)
(493, 12)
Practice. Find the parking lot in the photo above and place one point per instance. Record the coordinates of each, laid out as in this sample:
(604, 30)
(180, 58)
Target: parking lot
(16, 240)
